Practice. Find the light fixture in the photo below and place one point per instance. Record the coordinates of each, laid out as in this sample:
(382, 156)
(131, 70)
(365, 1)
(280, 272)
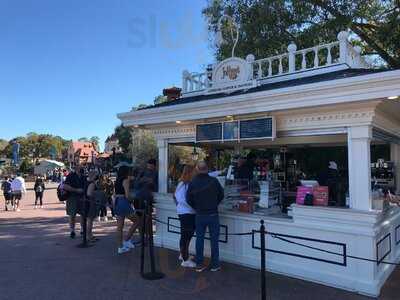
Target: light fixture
(392, 97)
(178, 122)
(195, 154)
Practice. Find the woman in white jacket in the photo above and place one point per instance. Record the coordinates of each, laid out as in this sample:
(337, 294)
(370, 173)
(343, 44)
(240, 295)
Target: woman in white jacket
(187, 216)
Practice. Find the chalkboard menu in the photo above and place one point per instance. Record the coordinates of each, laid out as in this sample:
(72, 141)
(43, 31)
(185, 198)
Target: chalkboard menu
(209, 132)
(257, 128)
(231, 130)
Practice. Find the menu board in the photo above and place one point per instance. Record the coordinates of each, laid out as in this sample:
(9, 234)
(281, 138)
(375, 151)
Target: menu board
(209, 132)
(231, 130)
(257, 128)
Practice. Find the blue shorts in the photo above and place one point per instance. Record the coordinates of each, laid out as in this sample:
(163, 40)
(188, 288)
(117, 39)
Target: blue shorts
(122, 207)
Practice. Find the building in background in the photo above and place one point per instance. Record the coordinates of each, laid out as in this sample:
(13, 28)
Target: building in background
(112, 143)
(81, 153)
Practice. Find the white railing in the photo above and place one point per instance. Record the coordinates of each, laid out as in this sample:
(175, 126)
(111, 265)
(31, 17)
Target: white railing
(294, 61)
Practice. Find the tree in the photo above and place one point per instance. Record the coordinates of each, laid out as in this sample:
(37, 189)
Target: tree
(124, 137)
(84, 139)
(3, 144)
(160, 99)
(267, 27)
(95, 140)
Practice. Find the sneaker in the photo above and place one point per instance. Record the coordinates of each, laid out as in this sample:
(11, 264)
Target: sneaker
(123, 249)
(180, 258)
(41, 206)
(72, 235)
(215, 269)
(201, 268)
(188, 264)
(35, 207)
(18, 209)
(104, 219)
(98, 219)
(128, 244)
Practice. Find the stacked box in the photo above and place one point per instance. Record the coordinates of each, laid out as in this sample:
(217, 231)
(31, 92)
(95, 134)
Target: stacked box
(321, 196)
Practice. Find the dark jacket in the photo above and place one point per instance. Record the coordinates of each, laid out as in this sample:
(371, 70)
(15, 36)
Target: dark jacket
(205, 194)
(39, 186)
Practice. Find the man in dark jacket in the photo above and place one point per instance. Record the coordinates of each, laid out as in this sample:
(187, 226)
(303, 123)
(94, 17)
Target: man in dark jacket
(204, 194)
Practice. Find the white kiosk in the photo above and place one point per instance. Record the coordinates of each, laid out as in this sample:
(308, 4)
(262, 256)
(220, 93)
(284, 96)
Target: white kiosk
(332, 98)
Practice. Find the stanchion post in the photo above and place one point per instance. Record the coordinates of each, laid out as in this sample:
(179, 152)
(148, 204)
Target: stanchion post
(263, 265)
(148, 234)
(143, 238)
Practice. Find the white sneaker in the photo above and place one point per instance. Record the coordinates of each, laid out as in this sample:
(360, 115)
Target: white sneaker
(188, 264)
(128, 244)
(41, 206)
(104, 219)
(98, 219)
(180, 258)
(35, 206)
(123, 249)
(18, 209)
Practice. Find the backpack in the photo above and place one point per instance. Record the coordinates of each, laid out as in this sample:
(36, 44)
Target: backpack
(62, 194)
(39, 189)
(7, 187)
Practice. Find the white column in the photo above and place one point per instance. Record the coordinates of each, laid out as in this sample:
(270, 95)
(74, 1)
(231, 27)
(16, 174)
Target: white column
(162, 166)
(395, 157)
(359, 154)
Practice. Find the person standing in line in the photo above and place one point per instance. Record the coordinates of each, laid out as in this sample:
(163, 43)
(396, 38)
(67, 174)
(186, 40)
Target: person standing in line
(150, 174)
(7, 192)
(123, 209)
(187, 216)
(74, 184)
(18, 189)
(97, 199)
(204, 194)
(39, 190)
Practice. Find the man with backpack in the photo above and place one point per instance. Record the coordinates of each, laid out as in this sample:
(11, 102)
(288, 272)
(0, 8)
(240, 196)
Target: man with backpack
(6, 188)
(74, 184)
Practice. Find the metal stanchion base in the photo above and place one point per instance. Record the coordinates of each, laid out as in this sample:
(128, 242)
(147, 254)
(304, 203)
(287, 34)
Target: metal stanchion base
(153, 276)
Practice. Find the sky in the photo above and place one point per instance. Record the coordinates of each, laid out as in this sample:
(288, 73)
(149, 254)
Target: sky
(67, 67)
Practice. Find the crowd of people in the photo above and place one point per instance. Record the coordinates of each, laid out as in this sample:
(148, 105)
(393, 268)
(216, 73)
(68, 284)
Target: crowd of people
(88, 192)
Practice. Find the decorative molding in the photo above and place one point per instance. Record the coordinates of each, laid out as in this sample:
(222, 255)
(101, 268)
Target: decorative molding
(325, 120)
(174, 132)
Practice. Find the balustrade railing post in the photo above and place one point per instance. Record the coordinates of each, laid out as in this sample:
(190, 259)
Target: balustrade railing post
(343, 46)
(263, 263)
(292, 59)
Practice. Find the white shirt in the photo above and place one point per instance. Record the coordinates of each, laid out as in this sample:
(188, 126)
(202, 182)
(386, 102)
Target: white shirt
(182, 206)
(18, 185)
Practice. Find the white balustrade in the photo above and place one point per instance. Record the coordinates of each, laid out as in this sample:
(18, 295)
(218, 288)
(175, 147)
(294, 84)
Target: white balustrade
(294, 61)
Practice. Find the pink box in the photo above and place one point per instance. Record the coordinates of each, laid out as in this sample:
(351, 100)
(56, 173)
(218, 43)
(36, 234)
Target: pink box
(302, 191)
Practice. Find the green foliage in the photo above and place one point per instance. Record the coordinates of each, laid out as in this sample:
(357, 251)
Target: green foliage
(160, 99)
(3, 144)
(26, 167)
(34, 146)
(124, 137)
(267, 27)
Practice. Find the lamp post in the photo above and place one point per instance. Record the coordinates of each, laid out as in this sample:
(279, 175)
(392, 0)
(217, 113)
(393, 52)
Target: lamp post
(219, 39)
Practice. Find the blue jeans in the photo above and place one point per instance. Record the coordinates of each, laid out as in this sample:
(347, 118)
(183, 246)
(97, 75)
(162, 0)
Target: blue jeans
(212, 222)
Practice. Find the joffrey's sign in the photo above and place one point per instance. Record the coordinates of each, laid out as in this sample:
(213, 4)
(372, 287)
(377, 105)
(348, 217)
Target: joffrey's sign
(231, 75)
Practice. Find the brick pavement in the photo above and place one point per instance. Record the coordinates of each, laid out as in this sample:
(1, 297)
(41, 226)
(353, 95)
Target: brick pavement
(39, 261)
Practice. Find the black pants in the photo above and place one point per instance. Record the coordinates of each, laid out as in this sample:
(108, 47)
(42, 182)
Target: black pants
(188, 222)
(39, 196)
(103, 211)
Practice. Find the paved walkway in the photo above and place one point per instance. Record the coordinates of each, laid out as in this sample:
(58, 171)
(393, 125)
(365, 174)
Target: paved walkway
(39, 261)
